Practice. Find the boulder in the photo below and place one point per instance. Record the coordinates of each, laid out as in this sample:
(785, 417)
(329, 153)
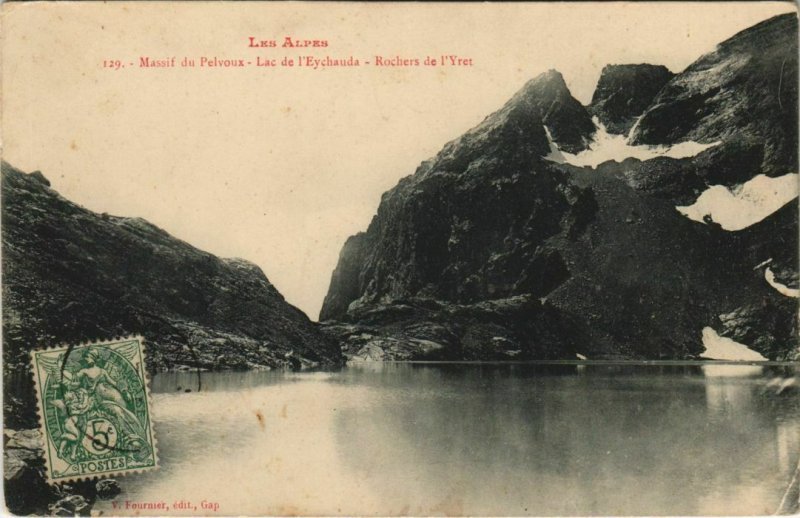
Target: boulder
(107, 488)
(72, 505)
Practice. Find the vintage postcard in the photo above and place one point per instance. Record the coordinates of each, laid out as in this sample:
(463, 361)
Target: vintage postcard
(400, 259)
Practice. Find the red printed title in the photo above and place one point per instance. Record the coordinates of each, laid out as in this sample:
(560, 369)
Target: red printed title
(290, 52)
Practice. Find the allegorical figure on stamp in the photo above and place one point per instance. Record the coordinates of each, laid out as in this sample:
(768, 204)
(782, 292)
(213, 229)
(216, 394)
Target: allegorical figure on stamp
(109, 400)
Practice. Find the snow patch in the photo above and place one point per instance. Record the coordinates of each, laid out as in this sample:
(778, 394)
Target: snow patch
(745, 204)
(606, 146)
(769, 275)
(555, 154)
(721, 348)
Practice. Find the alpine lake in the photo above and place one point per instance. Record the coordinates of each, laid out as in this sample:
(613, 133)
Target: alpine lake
(577, 438)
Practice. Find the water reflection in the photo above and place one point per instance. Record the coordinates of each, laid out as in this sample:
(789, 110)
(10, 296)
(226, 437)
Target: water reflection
(507, 439)
(726, 391)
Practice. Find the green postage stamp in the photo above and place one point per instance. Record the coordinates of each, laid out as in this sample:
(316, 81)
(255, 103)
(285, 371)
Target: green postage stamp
(94, 409)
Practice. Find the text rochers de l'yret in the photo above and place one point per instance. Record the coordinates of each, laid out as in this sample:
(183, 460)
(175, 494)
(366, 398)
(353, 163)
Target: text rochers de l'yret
(312, 62)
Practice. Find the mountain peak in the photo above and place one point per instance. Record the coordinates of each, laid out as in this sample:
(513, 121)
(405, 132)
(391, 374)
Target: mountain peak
(547, 99)
(488, 224)
(550, 76)
(516, 132)
(549, 82)
(624, 92)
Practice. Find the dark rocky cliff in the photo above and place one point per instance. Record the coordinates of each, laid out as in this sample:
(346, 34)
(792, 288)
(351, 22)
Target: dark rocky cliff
(465, 227)
(645, 279)
(597, 262)
(71, 275)
(624, 92)
(743, 93)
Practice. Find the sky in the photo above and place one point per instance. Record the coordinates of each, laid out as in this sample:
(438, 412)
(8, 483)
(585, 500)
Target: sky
(279, 165)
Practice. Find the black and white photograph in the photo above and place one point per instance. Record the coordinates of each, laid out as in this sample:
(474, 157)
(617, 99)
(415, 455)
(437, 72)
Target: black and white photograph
(400, 259)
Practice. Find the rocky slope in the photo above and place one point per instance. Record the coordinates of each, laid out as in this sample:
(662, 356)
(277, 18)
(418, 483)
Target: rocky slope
(514, 328)
(606, 265)
(624, 92)
(743, 93)
(70, 275)
(470, 219)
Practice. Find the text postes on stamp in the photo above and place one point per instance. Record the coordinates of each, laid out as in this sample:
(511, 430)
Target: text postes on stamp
(94, 409)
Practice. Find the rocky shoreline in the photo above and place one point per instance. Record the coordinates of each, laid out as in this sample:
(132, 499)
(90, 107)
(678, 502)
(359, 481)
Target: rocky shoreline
(26, 489)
